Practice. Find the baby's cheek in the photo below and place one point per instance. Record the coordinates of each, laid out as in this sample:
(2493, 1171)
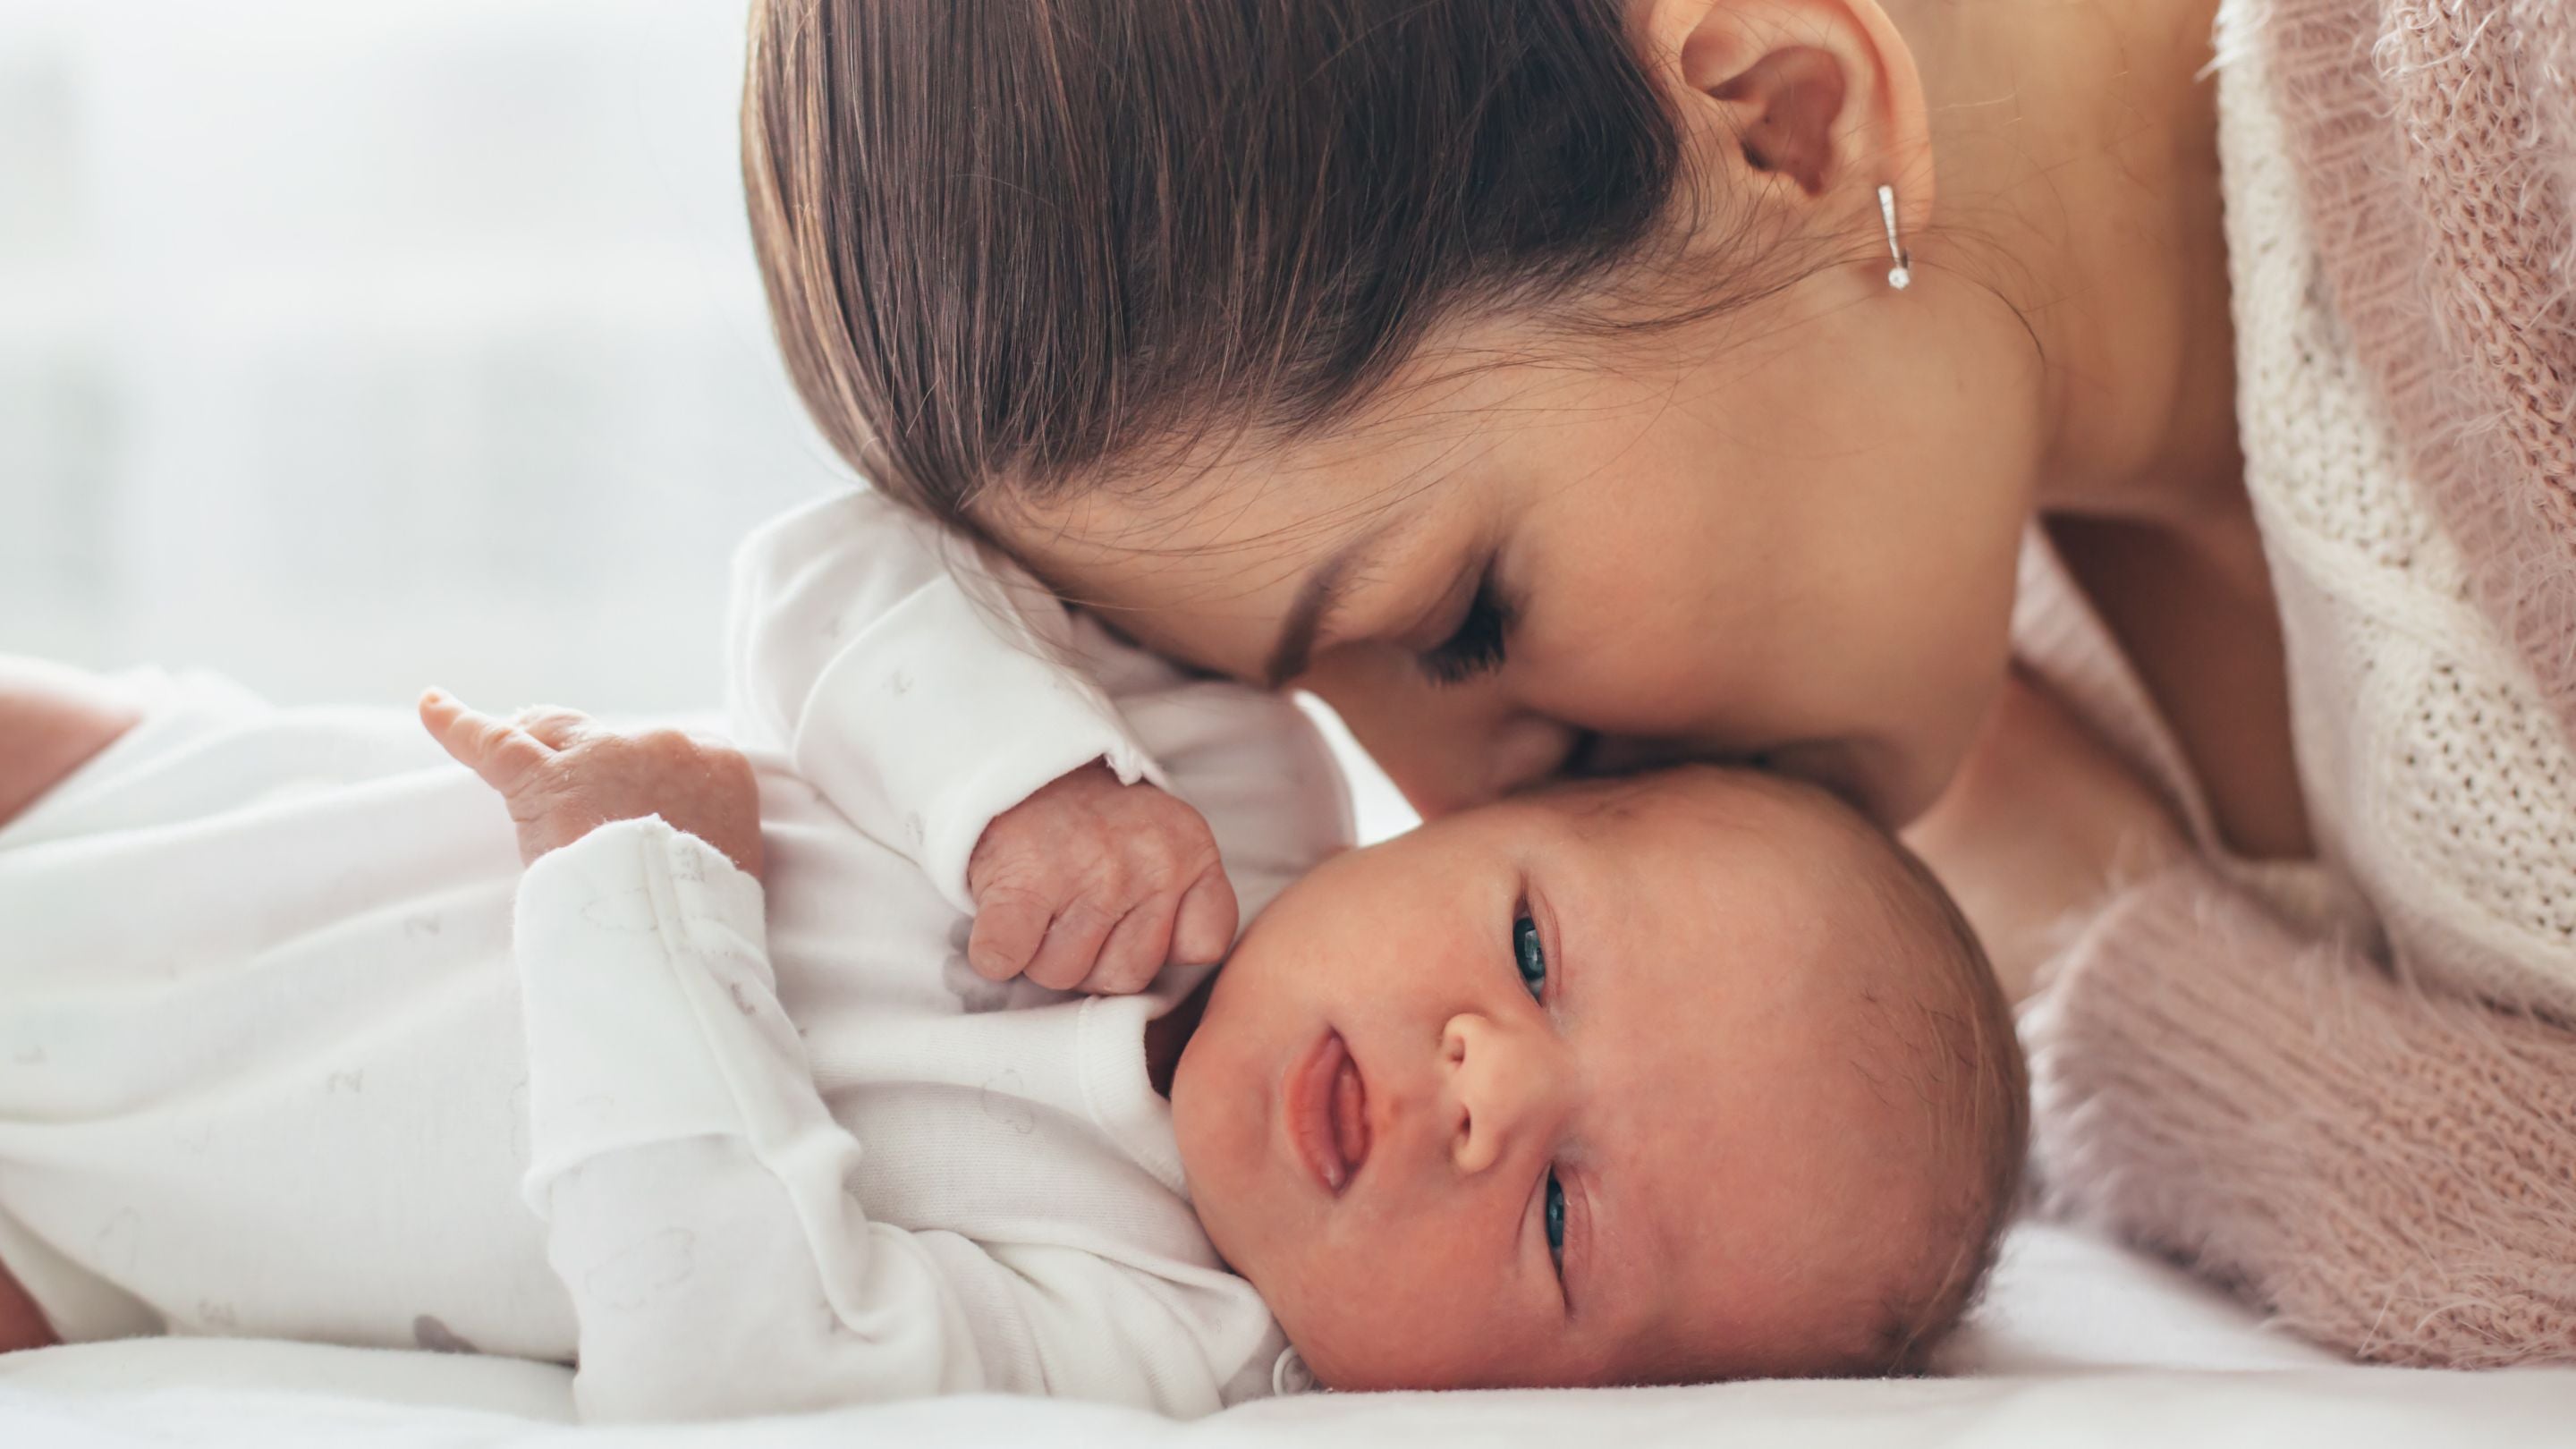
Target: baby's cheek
(1387, 1311)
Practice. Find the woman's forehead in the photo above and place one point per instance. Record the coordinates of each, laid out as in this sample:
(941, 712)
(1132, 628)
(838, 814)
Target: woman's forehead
(1214, 568)
(1237, 510)
(1254, 500)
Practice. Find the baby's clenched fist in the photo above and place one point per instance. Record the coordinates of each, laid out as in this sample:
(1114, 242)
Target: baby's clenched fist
(564, 775)
(1093, 885)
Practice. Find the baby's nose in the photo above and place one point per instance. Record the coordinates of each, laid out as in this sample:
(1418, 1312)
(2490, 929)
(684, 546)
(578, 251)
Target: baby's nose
(1503, 1087)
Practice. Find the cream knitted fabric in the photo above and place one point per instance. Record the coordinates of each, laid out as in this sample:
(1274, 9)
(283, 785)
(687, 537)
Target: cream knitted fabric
(2436, 146)
(2436, 774)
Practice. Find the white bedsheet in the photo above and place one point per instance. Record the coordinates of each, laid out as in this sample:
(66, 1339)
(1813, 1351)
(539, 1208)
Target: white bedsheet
(2080, 1343)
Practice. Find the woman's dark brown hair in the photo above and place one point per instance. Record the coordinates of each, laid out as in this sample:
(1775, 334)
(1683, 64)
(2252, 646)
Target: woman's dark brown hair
(1017, 242)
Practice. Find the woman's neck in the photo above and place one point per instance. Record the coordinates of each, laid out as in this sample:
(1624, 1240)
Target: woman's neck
(2077, 165)
(2076, 147)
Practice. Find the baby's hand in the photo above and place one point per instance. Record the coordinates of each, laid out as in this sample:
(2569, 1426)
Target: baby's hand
(565, 775)
(1093, 885)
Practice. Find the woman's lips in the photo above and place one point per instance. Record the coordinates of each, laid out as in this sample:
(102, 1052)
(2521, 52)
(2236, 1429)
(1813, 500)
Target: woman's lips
(1328, 1113)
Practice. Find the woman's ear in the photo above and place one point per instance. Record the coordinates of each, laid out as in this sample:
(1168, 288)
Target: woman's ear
(1804, 105)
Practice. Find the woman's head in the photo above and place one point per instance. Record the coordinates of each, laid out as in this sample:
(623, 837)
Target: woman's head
(1554, 333)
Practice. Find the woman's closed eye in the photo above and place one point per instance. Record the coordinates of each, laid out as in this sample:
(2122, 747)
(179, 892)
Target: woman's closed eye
(1476, 647)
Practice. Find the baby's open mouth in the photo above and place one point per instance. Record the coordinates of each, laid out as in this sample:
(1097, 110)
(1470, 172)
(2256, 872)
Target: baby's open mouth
(1328, 1113)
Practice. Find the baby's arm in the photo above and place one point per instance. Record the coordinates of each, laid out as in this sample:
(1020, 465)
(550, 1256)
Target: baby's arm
(691, 1179)
(688, 1173)
(52, 719)
(921, 685)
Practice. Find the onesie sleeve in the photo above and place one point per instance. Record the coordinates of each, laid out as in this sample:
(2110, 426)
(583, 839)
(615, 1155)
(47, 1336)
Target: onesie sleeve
(695, 1188)
(2390, 1170)
(918, 680)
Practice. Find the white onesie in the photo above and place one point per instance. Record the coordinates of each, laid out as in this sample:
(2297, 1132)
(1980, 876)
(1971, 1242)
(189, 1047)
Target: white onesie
(270, 1063)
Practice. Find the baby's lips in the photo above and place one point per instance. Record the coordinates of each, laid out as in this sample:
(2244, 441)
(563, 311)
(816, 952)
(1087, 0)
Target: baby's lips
(1350, 1116)
(1313, 1111)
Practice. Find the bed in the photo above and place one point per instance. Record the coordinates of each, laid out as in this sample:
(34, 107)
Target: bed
(2080, 1342)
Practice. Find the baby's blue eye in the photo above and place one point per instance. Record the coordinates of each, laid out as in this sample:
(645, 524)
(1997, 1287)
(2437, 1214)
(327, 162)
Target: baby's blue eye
(1531, 955)
(1555, 1221)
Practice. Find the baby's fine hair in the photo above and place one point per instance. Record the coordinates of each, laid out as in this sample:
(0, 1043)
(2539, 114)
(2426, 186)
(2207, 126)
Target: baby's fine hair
(1035, 244)
(1976, 1087)
(1929, 1015)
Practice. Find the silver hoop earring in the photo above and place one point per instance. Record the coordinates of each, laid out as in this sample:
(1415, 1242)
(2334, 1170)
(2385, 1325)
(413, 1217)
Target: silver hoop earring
(1901, 275)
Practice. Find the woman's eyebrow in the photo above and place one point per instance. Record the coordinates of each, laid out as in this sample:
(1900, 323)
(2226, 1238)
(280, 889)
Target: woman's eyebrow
(1315, 600)
(1322, 591)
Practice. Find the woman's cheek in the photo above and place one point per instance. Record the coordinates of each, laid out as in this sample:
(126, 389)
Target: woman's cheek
(1437, 743)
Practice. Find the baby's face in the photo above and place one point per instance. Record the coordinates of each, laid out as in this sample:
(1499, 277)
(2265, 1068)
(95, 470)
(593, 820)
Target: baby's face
(1567, 1090)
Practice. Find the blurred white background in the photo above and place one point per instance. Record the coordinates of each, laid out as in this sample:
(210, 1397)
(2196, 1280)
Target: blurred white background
(348, 346)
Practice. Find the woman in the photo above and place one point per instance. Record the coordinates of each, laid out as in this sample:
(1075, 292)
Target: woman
(1561, 385)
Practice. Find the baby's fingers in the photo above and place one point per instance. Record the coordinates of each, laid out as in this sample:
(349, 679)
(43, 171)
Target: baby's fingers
(552, 725)
(503, 754)
(1009, 924)
(1133, 955)
(1072, 946)
(1204, 930)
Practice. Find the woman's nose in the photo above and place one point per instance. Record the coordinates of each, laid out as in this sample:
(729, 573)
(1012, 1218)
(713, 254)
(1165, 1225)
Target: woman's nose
(1525, 750)
(1502, 756)
(1503, 1087)
(1446, 748)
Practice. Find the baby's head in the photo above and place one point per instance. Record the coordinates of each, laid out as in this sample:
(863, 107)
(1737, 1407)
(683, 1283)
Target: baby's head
(1679, 1077)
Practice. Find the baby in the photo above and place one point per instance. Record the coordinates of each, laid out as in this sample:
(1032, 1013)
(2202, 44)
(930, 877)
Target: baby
(756, 1089)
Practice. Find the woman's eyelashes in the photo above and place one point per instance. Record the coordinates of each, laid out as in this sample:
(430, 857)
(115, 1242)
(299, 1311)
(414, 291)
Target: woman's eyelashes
(1476, 647)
